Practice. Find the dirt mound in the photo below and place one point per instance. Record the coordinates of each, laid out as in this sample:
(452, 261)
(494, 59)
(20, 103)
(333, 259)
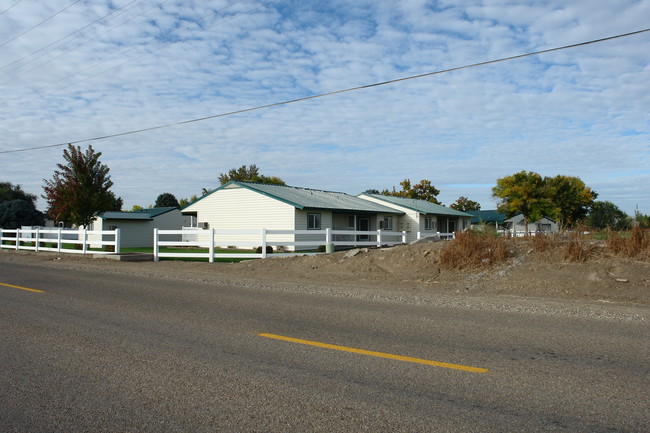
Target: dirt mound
(416, 268)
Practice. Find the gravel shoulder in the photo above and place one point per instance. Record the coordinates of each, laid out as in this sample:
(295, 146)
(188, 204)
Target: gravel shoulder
(606, 287)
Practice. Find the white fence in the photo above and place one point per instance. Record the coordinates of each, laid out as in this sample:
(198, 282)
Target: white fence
(55, 239)
(264, 238)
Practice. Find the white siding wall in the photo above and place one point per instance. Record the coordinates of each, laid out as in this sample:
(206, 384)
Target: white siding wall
(242, 209)
(409, 222)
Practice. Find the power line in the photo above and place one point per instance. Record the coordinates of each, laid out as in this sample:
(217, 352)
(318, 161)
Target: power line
(76, 32)
(10, 7)
(336, 92)
(52, 84)
(42, 22)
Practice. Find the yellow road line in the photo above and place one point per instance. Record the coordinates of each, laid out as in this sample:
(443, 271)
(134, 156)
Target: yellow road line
(379, 354)
(22, 288)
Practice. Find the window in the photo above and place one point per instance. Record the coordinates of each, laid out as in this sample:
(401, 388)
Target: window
(387, 223)
(313, 221)
(428, 223)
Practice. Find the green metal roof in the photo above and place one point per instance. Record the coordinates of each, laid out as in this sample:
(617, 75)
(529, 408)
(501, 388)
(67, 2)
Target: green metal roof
(486, 216)
(138, 215)
(306, 198)
(155, 211)
(125, 216)
(421, 206)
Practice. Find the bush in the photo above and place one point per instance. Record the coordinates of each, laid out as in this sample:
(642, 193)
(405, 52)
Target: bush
(470, 250)
(637, 244)
(577, 251)
(269, 249)
(544, 242)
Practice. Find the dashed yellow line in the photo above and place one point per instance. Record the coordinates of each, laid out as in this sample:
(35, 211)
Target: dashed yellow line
(22, 288)
(378, 354)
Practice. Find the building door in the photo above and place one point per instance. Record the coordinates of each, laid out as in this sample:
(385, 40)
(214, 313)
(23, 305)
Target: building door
(451, 226)
(363, 225)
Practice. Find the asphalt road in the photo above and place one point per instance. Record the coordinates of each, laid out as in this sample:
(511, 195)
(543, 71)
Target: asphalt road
(107, 352)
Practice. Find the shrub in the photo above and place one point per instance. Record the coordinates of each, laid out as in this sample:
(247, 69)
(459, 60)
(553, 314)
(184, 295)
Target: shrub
(576, 251)
(470, 250)
(543, 242)
(269, 249)
(637, 244)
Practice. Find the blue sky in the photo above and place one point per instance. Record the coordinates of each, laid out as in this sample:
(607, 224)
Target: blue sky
(99, 68)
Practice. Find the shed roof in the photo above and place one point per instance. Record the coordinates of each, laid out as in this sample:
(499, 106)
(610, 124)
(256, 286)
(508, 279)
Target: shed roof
(138, 215)
(486, 216)
(306, 198)
(421, 206)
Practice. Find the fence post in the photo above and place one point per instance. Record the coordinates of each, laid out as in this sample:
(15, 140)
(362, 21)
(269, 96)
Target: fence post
(59, 240)
(264, 243)
(155, 245)
(38, 239)
(379, 238)
(419, 235)
(404, 236)
(17, 239)
(85, 240)
(211, 247)
(118, 240)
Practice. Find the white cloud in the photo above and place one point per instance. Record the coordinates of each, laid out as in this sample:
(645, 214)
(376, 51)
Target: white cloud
(581, 112)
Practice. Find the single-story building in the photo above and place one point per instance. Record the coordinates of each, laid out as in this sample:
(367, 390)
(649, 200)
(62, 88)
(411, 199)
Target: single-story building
(422, 217)
(516, 226)
(136, 228)
(255, 206)
(492, 217)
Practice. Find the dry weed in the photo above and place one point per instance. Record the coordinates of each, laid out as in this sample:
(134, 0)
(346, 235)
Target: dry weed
(636, 245)
(544, 242)
(470, 250)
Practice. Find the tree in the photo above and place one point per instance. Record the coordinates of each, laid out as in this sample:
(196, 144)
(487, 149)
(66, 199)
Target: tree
(571, 199)
(166, 199)
(642, 220)
(9, 192)
(17, 213)
(464, 204)
(523, 193)
(185, 201)
(420, 191)
(248, 174)
(117, 203)
(80, 188)
(605, 214)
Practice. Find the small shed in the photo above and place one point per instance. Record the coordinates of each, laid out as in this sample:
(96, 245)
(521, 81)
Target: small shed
(136, 228)
(516, 226)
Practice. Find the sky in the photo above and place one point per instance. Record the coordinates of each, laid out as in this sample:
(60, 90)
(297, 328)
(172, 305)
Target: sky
(75, 70)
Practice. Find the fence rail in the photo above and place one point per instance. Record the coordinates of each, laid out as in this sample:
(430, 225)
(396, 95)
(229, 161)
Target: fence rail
(55, 240)
(264, 238)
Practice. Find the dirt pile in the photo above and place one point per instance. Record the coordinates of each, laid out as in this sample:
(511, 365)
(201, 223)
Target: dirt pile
(528, 270)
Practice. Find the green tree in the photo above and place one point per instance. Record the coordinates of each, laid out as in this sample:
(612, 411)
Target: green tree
(571, 199)
(136, 208)
(185, 201)
(464, 204)
(166, 199)
(9, 192)
(420, 191)
(17, 213)
(642, 220)
(523, 193)
(605, 214)
(80, 189)
(248, 174)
